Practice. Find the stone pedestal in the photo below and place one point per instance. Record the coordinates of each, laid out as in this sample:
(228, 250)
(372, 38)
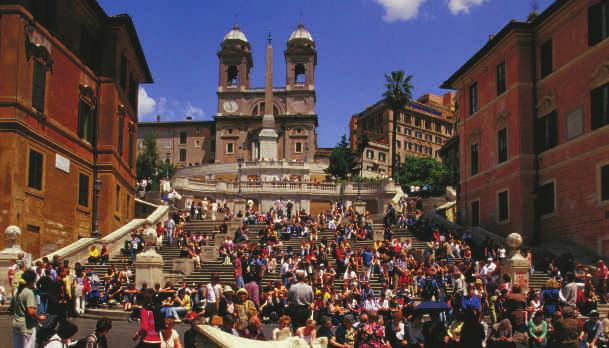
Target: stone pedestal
(379, 235)
(149, 264)
(240, 205)
(12, 252)
(515, 265)
(184, 266)
(359, 206)
(209, 253)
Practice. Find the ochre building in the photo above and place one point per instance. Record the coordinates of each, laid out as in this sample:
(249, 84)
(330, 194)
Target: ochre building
(423, 127)
(533, 128)
(68, 120)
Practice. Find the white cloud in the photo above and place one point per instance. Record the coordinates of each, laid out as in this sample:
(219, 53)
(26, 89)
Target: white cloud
(405, 10)
(146, 104)
(168, 109)
(400, 10)
(193, 111)
(458, 6)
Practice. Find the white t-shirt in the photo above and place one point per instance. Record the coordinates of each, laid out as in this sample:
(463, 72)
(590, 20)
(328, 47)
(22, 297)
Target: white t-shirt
(170, 342)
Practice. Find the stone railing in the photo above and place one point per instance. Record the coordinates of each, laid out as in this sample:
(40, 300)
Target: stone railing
(79, 250)
(386, 187)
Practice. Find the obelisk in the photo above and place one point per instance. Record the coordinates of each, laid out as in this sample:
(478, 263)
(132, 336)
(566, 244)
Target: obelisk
(268, 136)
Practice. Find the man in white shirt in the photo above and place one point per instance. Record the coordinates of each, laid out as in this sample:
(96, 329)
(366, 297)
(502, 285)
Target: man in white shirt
(488, 270)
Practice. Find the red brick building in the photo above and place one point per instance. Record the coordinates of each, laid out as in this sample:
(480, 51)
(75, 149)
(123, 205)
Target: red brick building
(68, 120)
(532, 121)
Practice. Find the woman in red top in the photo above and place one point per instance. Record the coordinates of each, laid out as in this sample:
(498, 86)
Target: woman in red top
(148, 333)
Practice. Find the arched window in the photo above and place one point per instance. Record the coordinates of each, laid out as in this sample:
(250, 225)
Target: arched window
(259, 110)
(232, 77)
(299, 74)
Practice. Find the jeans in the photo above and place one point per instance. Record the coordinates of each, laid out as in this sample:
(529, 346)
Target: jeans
(173, 312)
(170, 236)
(23, 340)
(44, 303)
(239, 282)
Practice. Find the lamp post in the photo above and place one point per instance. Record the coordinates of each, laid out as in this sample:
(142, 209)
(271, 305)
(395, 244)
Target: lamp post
(96, 188)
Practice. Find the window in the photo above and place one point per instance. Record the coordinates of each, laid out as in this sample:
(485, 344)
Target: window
(369, 154)
(449, 129)
(86, 119)
(546, 132)
(382, 157)
(398, 144)
(605, 183)
(598, 22)
(35, 170)
(417, 122)
(298, 147)
(38, 86)
(407, 118)
(133, 92)
(473, 98)
(299, 74)
(123, 73)
(546, 198)
(409, 146)
(408, 131)
(474, 159)
(399, 129)
(502, 146)
(546, 58)
(131, 149)
(118, 198)
(502, 203)
(419, 135)
(427, 124)
(183, 137)
(230, 148)
(600, 106)
(182, 155)
(428, 137)
(83, 190)
(121, 129)
(475, 218)
(438, 126)
(128, 206)
(232, 78)
(500, 78)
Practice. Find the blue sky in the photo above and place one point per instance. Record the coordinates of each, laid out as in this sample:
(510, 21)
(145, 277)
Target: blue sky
(358, 41)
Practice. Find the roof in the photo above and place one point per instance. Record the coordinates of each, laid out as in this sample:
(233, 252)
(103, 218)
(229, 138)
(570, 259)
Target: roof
(413, 105)
(301, 34)
(174, 123)
(125, 20)
(235, 34)
(513, 25)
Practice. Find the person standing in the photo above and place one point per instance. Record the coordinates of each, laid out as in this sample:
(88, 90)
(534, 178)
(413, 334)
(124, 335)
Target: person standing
(25, 316)
(602, 274)
(300, 297)
(171, 224)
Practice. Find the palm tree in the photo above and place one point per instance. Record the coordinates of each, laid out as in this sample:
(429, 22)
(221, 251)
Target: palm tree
(397, 95)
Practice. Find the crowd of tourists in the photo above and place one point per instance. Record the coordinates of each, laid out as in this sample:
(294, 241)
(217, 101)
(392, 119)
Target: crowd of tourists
(353, 288)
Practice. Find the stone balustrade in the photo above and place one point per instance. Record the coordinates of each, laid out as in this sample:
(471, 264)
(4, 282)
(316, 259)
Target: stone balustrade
(79, 250)
(372, 189)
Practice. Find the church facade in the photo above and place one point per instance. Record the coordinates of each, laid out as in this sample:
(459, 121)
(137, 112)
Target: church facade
(241, 108)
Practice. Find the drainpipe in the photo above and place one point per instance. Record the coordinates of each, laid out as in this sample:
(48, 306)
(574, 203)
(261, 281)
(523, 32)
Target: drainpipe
(96, 182)
(536, 219)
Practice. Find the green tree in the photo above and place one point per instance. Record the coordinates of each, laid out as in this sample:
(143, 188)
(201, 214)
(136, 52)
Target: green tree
(398, 94)
(421, 171)
(342, 162)
(148, 160)
(149, 165)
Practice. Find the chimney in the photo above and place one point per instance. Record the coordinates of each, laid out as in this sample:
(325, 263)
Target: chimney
(158, 118)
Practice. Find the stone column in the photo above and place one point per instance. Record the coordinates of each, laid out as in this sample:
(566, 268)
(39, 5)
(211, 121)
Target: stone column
(515, 265)
(12, 252)
(149, 264)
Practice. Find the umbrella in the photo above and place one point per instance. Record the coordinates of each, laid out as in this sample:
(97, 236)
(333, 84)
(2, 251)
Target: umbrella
(432, 306)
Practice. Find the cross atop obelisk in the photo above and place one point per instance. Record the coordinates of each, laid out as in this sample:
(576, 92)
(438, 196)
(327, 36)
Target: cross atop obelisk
(268, 136)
